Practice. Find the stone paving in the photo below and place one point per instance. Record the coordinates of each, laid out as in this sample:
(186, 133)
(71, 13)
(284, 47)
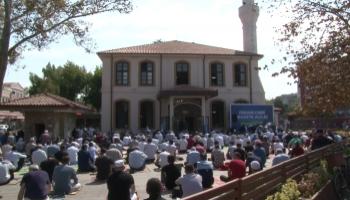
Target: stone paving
(92, 190)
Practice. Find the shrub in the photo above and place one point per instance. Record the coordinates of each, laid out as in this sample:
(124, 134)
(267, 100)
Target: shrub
(289, 191)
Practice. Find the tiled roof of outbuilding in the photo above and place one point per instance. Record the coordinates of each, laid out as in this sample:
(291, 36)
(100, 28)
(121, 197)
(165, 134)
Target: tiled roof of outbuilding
(44, 100)
(177, 47)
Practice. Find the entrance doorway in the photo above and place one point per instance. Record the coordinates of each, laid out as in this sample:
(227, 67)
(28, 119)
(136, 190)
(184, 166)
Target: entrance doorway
(39, 129)
(187, 117)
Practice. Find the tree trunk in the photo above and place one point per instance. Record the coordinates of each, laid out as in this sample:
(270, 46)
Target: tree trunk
(5, 41)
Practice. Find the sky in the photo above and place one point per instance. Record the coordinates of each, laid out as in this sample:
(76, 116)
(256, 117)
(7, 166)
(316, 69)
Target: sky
(207, 22)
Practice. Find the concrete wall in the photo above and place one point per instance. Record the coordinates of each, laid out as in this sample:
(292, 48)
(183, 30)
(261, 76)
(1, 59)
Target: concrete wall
(164, 78)
(58, 124)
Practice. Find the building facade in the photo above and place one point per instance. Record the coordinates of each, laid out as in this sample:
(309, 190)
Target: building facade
(179, 85)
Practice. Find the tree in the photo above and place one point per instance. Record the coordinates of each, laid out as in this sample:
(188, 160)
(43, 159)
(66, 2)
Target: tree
(317, 44)
(29, 24)
(67, 81)
(92, 91)
(70, 81)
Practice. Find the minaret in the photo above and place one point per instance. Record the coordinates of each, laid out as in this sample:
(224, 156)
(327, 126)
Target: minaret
(249, 13)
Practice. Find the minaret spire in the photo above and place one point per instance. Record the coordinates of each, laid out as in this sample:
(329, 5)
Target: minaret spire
(249, 13)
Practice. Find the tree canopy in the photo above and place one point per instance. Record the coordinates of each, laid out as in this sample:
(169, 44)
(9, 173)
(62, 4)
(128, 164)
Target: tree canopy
(70, 81)
(317, 44)
(34, 24)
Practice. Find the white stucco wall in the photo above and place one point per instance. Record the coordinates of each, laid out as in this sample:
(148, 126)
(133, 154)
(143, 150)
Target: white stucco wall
(164, 78)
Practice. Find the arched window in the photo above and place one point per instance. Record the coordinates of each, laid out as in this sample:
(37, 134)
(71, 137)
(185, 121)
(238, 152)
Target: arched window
(146, 73)
(122, 114)
(146, 114)
(182, 70)
(217, 115)
(240, 74)
(122, 73)
(216, 74)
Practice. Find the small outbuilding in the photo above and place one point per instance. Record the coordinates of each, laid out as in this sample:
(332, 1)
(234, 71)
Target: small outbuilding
(49, 112)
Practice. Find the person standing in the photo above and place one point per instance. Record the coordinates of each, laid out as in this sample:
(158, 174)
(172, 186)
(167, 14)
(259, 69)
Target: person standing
(35, 185)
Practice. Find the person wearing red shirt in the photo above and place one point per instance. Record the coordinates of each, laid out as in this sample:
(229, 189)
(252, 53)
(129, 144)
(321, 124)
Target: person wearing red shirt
(297, 150)
(236, 169)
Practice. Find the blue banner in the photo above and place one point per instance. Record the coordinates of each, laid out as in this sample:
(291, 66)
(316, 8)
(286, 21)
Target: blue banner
(249, 115)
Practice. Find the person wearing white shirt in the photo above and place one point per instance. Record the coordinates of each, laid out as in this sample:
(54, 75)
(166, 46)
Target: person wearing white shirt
(159, 136)
(220, 140)
(92, 151)
(162, 159)
(6, 171)
(183, 145)
(6, 148)
(277, 145)
(126, 140)
(193, 156)
(150, 150)
(16, 158)
(171, 148)
(73, 154)
(137, 160)
(38, 155)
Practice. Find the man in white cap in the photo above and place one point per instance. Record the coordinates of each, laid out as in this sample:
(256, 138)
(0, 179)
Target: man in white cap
(254, 167)
(120, 184)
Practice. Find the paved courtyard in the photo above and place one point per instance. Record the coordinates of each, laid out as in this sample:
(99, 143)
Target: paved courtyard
(92, 190)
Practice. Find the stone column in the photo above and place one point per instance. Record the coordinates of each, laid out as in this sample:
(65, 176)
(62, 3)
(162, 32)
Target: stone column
(171, 112)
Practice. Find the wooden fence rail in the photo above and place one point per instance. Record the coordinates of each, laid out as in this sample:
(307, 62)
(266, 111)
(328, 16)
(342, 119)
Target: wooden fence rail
(261, 184)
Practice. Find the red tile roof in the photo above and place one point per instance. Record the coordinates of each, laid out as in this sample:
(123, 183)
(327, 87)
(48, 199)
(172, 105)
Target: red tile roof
(176, 47)
(44, 100)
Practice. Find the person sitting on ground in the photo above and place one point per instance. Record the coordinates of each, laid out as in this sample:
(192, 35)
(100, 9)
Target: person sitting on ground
(259, 151)
(16, 158)
(73, 153)
(254, 167)
(30, 147)
(280, 157)
(113, 153)
(137, 160)
(162, 159)
(150, 149)
(103, 166)
(205, 169)
(85, 161)
(62, 178)
(236, 169)
(231, 150)
(171, 148)
(183, 145)
(6, 148)
(248, 147)
(7, 170)
(170, 173)
(200, 147)
(240, 150)
(190, 183)
(218, 156)
(52, 149)
(297, 150)
(92, 151)
(154, 189)
(250, 158)
(193, 156)
(120, 184)
(38, 155)
(48, 166)
(35, 184)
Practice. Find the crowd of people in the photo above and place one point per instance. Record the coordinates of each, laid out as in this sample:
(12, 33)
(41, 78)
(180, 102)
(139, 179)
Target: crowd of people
(52, 162)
